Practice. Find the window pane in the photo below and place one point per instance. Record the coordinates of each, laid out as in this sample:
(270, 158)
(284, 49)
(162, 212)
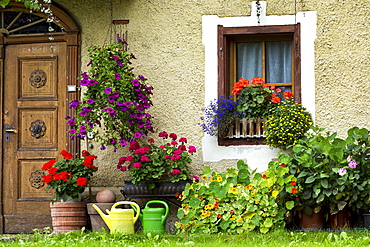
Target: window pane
(249, 60)
(279, 61)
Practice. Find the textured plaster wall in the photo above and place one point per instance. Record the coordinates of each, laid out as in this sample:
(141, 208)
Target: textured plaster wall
(166, 37)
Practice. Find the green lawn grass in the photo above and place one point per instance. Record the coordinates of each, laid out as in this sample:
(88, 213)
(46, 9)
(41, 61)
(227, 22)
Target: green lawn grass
(281, 238)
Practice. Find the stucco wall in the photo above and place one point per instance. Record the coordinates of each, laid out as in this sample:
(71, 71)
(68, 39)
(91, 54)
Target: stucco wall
(166, 37)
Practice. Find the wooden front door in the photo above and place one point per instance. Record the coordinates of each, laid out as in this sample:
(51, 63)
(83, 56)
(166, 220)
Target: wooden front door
(35, 91)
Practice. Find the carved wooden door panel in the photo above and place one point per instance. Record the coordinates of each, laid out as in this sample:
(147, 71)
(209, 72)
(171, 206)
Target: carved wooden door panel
(34, 111)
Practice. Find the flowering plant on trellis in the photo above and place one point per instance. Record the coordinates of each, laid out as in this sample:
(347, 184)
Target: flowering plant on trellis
(256, 98)
(237, 201)
(69, 177)
(288, 122)
(218, 116)
(115, 100)
(153, 162)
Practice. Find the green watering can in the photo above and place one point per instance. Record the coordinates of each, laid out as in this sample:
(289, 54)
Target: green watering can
(119, 219)
(153, 219)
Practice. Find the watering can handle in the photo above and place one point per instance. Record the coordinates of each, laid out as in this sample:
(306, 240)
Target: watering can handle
(136, 209)
(164, 217)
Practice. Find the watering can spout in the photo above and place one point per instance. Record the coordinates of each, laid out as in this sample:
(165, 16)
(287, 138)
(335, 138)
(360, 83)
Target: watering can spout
(103, 216)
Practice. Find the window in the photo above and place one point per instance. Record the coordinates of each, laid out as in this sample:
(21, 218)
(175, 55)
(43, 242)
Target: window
(271, 52)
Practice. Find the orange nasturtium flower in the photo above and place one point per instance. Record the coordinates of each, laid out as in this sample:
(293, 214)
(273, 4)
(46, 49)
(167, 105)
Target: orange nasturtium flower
(293, 182)
(294, 190)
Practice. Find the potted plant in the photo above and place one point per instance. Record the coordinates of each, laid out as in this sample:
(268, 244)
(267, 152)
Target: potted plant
(218, 116)
(286, 123)
(156, 162)
(68, 178)
(331, 172)
(255, 99)
(115, 101)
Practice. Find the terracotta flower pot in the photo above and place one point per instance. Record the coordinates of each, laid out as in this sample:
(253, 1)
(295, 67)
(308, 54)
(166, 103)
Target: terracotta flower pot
(68, 216)
(341, 220)
(315, 221)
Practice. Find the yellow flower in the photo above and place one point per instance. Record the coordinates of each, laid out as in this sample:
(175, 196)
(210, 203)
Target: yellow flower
(233, 217)
(219, 178)
(275, 193)
(208, 206)
(233, 190)
(240, 220)
(204, 178)
(252, 192)
(257, 202)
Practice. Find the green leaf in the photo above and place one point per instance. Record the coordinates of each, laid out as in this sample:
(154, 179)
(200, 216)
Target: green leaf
(325, 183)
(321, 198)
(4, 3)
(224, 225)
(206, 171)
(194, 202)
(243, 173)
(310, 179)
(289, 205)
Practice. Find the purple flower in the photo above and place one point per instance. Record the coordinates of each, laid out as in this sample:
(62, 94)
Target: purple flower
(123, 142)
(102, 147)
(108, 90)
(124, 108)
(82, 129)
(137, 135)
(141, 77)
(110, 110)
(111, 98)
(90, 101)
(72, 131)
(115, 57)
(118, 103)
(89, 63)
(83, 113)
(115, 94)
(71, 122)
(352, 164)
(119, 63)
(342, 171)
(135, 82)
(128, 103)
(93, 82)
(84, 82)
(117, 76)
(74, 104)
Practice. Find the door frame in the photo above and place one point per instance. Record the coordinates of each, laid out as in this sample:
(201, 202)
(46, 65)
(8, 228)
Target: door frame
(71, 36)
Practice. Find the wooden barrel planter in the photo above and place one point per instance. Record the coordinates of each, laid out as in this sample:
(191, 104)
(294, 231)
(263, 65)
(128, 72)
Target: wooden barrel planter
(68, 216)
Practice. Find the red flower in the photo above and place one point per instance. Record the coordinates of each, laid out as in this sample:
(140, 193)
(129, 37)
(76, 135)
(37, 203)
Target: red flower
(294, 190)
(293, 183)
(257, 80)
(183, 140)
(283, 165)
(66, 154)
(81, 181)
(278, 90)
(151, 140)
(163, 134)
(288, 94)
(85, 153)
(65, 175)
(219, 216)
(53, 170)
(134, 145)
(47, 178)
(275, 100)
(232, 211)
(264, 176)
(48, 165)
(173, 136)
(192, 149)
(182, 147)
(137, 165)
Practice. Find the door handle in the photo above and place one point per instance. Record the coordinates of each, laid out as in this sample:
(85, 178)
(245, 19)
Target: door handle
(8, 130)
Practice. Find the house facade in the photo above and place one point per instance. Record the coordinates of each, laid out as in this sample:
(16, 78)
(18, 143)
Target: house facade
(188, 50)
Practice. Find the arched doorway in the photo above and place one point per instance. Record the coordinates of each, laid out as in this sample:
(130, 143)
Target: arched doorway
(35, 72)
